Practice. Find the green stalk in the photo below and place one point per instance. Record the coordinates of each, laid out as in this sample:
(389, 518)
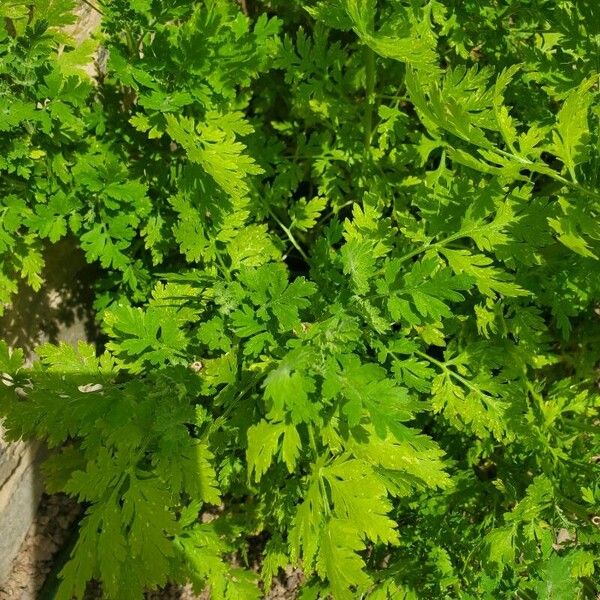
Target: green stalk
(444, 367)
(289, 235)
(370, 95)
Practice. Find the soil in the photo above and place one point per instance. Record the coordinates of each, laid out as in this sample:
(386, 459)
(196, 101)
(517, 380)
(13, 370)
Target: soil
(46, 536)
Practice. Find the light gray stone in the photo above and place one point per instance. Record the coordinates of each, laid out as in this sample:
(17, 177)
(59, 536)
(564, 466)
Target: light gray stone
(20, 490)
(60, 311)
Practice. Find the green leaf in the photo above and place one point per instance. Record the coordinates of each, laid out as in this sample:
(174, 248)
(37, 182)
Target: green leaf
(365, 387)
(428, 287)
(413, 44)
(570, 136)
(501, 546)
(292, 445)
(359, 263)
(288, 391)
(252, 247)
(153, 335)
(340, 562)
(31, 267)
(205, 476)
(307, 524)
(360, 498)
(216, 149)
(490, 280)
(10, 360)
(263, 444)
(287, 304)
(305, 214)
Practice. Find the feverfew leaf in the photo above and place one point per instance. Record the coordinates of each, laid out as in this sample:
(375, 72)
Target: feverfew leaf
(364, 387)
(360, 498)
(490, 280)
(287, 305)
(428, 287)
(340, 562)
(287, 391)
(154, 335)
(217, 150)
(292, 444)
(252, 247)
(263, 443)
(305, 214)
(569, 138)
(206, 478)
(359, 263)
(415, 44)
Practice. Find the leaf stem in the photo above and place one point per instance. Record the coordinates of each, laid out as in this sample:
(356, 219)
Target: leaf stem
(545, 170)
(221, 419)
(370, 94)
(334, 211)
(223, 266)
(573, 507)
(457, 376)
(312, 441)
(430, 246)
(93, 7)
(289, 234)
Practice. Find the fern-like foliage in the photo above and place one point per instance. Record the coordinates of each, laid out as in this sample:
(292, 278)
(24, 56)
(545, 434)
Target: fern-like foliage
(350, 281)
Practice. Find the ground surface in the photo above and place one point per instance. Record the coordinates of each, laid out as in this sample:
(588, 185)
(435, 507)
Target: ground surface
(49, 532)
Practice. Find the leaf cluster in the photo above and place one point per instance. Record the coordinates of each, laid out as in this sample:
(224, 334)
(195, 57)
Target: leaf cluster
(349, 290)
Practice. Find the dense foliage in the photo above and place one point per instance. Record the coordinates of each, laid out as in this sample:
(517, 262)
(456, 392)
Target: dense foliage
(349, 255)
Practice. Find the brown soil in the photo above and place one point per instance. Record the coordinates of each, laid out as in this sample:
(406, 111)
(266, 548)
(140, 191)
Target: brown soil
(45, 538)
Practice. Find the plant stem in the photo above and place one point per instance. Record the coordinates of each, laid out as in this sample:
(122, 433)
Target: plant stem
(581, 511)
(223, 266)
(222, 419)
(93, 7)
(430, 246)
(289, 235)
(545, 170)
(457, 376)
(370, 95)
(313, 443)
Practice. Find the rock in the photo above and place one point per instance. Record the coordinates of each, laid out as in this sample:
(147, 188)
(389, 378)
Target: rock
(60, 311)
(20, 490)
